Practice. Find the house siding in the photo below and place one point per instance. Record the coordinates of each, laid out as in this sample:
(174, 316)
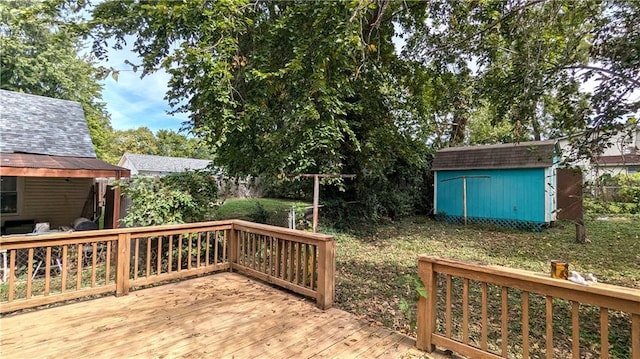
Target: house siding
(55, 200)
(506, 194)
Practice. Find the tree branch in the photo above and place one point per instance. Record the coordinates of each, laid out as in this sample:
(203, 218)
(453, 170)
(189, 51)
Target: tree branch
(606, 71)
(490, 26)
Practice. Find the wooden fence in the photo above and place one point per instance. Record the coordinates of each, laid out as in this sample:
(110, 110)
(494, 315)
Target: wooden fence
(436, 320)
(55, 267)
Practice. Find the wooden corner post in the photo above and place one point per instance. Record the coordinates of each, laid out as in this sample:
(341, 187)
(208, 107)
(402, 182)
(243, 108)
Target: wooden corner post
(123, 262)
(426, 321)
(326, 273)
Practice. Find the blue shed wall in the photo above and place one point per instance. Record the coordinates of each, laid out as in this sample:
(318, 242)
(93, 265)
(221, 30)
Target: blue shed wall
(507, 194)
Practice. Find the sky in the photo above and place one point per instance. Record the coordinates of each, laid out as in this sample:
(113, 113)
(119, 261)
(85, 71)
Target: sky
(134, 102)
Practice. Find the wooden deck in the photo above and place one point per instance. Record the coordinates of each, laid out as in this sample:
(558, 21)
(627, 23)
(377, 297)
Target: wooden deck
(225, 315)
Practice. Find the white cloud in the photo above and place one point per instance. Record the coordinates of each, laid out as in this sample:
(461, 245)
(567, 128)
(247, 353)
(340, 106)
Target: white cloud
(134, 102)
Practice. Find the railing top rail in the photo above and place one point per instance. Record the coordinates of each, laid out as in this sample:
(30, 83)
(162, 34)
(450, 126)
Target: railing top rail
(623, 293)
(282, 230)
(111, 232)
(6, 240)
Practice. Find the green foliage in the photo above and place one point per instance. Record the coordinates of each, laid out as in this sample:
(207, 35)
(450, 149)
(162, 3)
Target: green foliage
(163, 143)
(282, 88)
(41, 47)
(259, 214)
(176, 198)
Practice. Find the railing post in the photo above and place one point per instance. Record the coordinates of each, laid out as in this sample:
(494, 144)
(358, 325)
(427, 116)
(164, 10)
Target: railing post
(233, 248)
(426, 321)
(326, 273)
(123, 262)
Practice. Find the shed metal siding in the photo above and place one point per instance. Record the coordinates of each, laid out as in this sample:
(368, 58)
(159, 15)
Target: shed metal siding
(510, 194)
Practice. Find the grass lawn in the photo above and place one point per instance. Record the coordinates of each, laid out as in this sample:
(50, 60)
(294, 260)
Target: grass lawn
(246, 208)
(375, 273)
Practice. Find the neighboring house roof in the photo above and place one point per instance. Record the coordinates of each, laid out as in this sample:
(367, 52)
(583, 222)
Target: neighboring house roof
(151, 163)
(43, 125)
(535, 154)
(620, 160)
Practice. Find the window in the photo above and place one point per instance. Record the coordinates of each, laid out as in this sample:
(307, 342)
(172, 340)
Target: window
(9, 195)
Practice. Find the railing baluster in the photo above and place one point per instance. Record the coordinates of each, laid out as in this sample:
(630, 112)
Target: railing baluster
(504, 325)
(170, 252)
(136, 257)
(199, 249)
(29, 273)
(314, 266)
(179, 252)
(207, 248)
(189, 238)
(65, 266)
(525, 324)
(94, 264)
(305, 265)
(79, 267)
(604, 333)
(549, 325)
(447, 315)
(635, 336)
(47, 272)
(224, 246)
(107, 263)
(465, 311)
(148, 257)
(159, 256)
(12, 274)
(575, 329)
(485, 317)
(298, 259)
(278, 258)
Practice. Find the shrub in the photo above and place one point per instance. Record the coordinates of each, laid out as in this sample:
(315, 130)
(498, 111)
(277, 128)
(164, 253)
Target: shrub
(177, 198)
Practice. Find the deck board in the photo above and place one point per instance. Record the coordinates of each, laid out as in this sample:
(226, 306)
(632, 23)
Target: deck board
(225, 315)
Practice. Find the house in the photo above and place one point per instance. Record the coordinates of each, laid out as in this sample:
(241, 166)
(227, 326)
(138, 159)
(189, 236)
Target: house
(620, 156)
(158, 166)
(512, 185)
(150, 165)
(48, 164)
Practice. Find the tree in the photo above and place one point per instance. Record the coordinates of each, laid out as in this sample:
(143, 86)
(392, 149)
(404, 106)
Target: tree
(280, 88)
(163, 143)
(41, 56)
(529, 59)
(140, 140)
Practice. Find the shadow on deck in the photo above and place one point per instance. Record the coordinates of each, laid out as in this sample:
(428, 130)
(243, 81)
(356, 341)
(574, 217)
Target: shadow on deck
(226, 315)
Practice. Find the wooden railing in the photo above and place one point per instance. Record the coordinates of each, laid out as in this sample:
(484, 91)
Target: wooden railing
(49, 268)
(482, 333)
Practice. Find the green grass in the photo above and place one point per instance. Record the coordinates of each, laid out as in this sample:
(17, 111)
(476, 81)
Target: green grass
(245, 208)
(376, 271)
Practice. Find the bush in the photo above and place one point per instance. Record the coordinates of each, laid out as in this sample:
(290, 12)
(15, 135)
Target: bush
(595, 207)
(177, 198)
(259, 214)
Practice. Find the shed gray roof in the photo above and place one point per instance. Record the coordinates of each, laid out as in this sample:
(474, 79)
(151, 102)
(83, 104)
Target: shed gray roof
(164, 163)
(43, 125)
(535, 154)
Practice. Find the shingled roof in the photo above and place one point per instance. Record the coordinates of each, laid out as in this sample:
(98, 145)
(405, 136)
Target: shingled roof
(163, 163)
(43, 125)
(536, 154)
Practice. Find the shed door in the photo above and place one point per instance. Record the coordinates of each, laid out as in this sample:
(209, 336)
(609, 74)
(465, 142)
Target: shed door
(569, 194)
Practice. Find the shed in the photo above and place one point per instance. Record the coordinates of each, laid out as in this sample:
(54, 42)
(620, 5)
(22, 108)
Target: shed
(47, 162)
(511, 185)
